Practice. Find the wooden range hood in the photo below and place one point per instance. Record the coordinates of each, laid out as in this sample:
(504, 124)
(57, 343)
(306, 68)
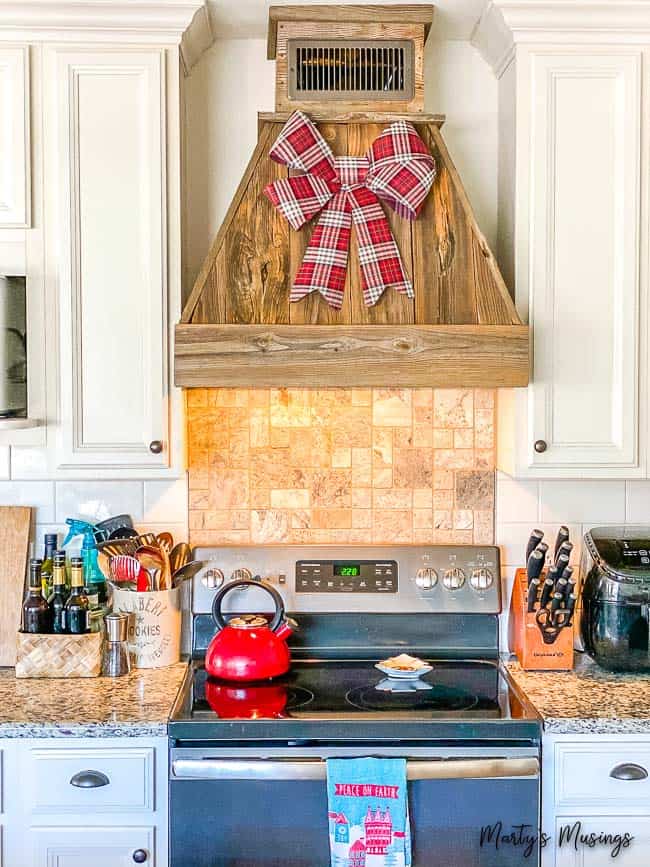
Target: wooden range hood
(238, 327)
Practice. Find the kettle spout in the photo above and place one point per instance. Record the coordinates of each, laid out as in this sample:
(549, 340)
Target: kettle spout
(284, 630)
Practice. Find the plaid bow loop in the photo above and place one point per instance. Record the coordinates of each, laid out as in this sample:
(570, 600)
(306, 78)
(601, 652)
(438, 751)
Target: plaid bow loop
(397, 169)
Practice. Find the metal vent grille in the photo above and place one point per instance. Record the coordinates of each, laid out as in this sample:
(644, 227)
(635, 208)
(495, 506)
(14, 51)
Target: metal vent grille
(345, 69)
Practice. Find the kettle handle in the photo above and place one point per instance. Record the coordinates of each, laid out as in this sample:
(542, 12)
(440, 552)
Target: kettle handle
(221, 621)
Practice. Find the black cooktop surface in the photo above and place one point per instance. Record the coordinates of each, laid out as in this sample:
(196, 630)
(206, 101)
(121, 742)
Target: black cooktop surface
(331, 699)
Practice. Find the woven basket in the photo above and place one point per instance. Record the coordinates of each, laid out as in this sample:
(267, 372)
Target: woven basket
(59, 655)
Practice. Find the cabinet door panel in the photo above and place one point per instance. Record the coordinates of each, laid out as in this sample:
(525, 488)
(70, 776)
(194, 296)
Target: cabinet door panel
(82, 846)
(571, 852)
(14, 136)
(107, 108)
(583, 238)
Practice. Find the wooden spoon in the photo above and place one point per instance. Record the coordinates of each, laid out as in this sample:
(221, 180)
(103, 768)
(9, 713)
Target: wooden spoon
(179, 556)
(165, 541)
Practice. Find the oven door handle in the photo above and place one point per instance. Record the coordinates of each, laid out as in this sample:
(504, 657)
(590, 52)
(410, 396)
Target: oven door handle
(209, 768)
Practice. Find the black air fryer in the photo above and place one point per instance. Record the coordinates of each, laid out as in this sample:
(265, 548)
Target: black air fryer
(616, 597)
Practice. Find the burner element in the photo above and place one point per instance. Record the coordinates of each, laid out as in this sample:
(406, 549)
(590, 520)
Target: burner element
(425, 696)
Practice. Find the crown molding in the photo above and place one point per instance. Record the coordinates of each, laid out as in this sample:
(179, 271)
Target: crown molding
(504, 24)
(184, 23)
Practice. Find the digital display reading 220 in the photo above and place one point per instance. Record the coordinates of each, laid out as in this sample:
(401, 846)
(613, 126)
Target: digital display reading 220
(347, 569)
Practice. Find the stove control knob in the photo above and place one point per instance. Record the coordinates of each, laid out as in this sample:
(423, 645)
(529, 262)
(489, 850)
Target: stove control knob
(242, 574)
(481, 580)
(426, 578)
(213, 579)
(453, 579)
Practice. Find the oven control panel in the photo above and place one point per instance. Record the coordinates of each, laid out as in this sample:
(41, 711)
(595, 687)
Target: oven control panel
(346, 576)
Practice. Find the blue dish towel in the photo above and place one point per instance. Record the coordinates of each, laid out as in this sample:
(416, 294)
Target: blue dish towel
(368, 813)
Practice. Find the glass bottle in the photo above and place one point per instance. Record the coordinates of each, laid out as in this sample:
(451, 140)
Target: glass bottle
(36, 611)
(59, 595)
(50, 543)
(77, 612)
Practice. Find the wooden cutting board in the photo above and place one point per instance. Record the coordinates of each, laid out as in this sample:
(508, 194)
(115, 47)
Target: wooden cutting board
(15, 524)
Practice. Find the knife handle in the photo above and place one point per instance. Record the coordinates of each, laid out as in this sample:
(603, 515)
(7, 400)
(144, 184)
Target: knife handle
(556, 604)
(547, 591)
(561, 587)
(561, 563)
(565, 548)
(535, 538)
(535, 565)
(571, 606)
(532, 595)
(560, 539)
(568, 573)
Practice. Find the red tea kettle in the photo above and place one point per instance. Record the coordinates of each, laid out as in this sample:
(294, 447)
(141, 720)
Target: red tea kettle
(244, 648)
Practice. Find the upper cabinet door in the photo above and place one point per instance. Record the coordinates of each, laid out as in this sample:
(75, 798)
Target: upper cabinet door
(579, 165)
(14, 136)
(107, 256)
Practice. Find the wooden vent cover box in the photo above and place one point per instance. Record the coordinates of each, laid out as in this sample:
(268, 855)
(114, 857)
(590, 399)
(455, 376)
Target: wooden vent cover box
(353, 70)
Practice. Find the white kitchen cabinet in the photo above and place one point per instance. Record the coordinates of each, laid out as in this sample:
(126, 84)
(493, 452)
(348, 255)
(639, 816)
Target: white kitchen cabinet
(574, 197)
(579, 246)
(597, 781)
(574, 853)
(14, 136)
(102, 847)
(50, 821)
(111, 207)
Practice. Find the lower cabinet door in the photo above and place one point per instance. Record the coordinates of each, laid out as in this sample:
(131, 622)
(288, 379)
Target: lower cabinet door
(600, 841)
(78, 846)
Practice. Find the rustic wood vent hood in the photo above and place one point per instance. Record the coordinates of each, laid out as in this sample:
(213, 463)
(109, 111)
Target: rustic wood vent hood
(353, 70)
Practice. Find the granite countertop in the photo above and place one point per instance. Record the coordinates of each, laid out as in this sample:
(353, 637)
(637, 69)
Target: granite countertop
(137, 705)
(587, 700)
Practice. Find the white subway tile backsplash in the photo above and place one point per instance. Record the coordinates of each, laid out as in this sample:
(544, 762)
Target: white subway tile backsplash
(512, 538)
(165, 500)
(637, 506)
(517, 500)
(582, 501)
(39, 495)
(96, 501)
(5, 462)
(28, 462)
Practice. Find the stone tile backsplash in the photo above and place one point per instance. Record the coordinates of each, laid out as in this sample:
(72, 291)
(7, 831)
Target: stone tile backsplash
(341, 466)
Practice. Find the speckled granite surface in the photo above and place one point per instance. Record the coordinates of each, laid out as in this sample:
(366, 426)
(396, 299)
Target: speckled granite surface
(588, 699)
(137, 705)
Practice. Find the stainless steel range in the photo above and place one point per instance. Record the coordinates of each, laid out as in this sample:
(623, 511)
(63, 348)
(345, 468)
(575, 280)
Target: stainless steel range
(248, 759)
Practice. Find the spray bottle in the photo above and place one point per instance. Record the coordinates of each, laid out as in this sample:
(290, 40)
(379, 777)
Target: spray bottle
(93, 578)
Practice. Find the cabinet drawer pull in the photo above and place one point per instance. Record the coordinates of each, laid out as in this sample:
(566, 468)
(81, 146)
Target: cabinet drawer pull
(139, 856)
(155, 447)
(629, 771)
(89, 780)
(540, 446)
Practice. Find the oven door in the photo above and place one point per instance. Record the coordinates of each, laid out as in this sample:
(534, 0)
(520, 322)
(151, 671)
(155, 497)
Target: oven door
(268, 808)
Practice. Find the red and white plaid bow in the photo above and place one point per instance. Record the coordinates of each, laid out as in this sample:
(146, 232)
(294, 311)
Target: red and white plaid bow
(397, 169)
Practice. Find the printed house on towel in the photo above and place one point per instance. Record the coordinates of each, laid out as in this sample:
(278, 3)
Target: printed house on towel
(443, 314)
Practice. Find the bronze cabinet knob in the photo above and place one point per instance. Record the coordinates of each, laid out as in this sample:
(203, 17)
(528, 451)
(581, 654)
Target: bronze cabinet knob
(155, 447)
(540, 446)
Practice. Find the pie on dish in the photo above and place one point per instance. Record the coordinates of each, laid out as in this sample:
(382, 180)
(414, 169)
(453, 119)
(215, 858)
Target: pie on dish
(404, 662)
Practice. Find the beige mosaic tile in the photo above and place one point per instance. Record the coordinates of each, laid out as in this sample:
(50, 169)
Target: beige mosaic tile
(340, 466)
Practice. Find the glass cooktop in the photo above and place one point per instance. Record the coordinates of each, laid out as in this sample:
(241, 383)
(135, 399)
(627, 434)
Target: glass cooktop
(334, 701)
(320, 690)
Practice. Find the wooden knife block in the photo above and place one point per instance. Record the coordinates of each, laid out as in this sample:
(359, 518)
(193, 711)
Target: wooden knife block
(526, 639)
